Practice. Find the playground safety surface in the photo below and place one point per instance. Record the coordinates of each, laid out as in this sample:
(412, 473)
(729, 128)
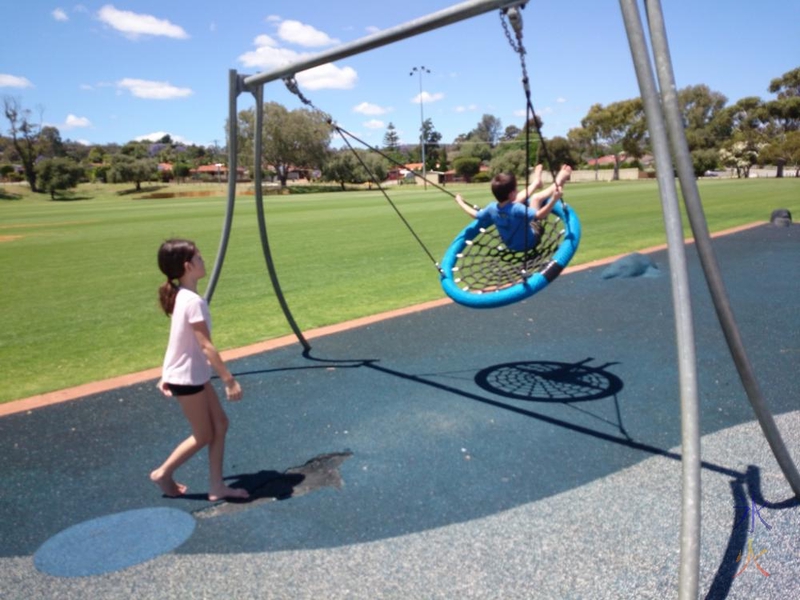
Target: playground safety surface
(531, 451)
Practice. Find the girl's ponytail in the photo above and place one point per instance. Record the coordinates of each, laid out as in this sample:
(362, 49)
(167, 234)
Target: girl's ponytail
(172, 258)
(166, 296)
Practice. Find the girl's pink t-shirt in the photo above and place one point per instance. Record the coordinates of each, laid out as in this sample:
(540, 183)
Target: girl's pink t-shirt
(184, 361)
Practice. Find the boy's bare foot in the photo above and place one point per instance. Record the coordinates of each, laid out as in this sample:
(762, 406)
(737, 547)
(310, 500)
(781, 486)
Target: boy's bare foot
(227, 492)
(168, 485)
(563, 175)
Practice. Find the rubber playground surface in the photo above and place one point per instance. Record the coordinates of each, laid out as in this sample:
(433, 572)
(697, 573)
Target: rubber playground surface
(531, 451)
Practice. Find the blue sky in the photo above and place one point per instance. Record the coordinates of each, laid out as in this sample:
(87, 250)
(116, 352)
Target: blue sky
(112, 72)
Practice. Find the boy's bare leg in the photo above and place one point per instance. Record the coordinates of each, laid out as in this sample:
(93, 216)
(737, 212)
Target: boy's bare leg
(563, 175)
(536, 182)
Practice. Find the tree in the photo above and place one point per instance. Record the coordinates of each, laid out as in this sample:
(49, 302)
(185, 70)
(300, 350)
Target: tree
(584, 141)
(560, 152)
(740, 155)
(620, 125)
(700, 108)
(488, 130)
(391, 140)
(297, 138)
(782, 152)
(510, 133)
(339, 167)
(704, 159)
(344, 167)
(181, 171)
(24, 136)
(783, 114)
(57, 174)
(512, 161)
(476, 149)
(50, 143)
(431, 139)
(125, 168)
(467, 166)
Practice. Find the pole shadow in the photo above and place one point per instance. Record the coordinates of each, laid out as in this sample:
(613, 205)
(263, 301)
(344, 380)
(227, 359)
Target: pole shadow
(748, 501)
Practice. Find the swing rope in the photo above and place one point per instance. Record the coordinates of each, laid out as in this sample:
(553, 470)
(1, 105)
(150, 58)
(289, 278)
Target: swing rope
(291, 84)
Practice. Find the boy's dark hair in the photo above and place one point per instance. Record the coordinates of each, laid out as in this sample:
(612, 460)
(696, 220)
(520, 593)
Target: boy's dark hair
(502, 186)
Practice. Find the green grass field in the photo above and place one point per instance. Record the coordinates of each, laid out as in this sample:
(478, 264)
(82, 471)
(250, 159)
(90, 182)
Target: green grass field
(80, 276)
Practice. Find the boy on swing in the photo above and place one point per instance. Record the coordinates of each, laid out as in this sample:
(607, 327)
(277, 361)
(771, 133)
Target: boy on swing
(516, 223)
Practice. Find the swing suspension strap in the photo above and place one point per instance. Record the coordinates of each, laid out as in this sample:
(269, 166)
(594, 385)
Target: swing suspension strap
(291, 84)
(513, 16)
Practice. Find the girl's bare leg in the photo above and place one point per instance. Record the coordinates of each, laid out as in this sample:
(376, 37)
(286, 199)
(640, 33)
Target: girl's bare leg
(216, 450)
(196, 412)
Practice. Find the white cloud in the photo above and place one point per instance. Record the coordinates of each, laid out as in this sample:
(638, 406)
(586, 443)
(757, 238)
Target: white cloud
(14, 81)
(72, 122)
(328, 77)
(374, 124)
(265, 40)
(366, 108)
(267, 56)
(154, 137)
(273, 19)
(304, 35)
(134, 25)
(153, 90)
(521, 113)
(561, 100)
(372, 29)
(59, 15)
(470, 108)
(84, 142)
(427, 98)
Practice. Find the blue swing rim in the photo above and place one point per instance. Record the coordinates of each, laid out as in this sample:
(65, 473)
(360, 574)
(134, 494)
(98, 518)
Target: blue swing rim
(524, 289)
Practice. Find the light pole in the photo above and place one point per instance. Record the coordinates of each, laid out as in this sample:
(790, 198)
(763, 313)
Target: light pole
(420, 70)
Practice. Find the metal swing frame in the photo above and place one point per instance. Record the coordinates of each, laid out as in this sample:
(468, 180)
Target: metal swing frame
(668, 138)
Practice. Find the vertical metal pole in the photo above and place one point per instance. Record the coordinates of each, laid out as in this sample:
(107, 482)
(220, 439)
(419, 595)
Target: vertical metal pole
(422, 123)
(690, 428)
(694, 209)
(234, 89)
(262, 223)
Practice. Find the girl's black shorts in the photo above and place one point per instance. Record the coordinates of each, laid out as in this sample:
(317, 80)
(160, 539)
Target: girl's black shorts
(184, 390)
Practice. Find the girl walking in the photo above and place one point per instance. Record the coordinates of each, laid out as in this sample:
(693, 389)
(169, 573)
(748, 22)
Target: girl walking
(187, 370)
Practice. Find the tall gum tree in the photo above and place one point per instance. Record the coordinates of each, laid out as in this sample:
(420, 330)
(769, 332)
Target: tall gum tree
(24, 136)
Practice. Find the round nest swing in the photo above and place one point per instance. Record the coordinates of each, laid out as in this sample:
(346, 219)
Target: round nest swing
(480, 271)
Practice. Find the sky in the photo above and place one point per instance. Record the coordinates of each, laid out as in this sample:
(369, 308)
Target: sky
(138, 69)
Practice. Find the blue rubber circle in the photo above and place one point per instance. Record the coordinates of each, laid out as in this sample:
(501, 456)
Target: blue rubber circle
(114, 542)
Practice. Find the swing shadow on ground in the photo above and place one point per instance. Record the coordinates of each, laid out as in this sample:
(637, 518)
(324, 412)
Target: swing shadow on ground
(549, 382)
(571, 374)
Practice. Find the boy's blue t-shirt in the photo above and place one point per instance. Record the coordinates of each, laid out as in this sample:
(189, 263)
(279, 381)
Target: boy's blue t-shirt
(511, 222)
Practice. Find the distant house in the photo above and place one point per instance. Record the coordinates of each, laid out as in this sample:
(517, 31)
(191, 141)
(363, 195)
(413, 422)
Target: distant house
(219, 171)
(608, 159)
